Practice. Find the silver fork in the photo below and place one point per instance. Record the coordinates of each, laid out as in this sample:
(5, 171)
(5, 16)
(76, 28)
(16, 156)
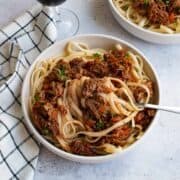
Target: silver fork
(160, 107)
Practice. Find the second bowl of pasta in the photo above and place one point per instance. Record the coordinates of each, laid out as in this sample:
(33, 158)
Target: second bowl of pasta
(80, 97)
(152, 20)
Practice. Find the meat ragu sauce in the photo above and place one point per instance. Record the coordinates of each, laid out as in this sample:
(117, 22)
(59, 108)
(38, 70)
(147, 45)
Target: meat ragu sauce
(158, 11)
(96, 114)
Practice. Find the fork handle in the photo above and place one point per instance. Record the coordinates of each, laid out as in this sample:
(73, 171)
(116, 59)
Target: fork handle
(163, 108)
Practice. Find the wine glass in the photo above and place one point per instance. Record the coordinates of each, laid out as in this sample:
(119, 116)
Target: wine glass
(67, 21)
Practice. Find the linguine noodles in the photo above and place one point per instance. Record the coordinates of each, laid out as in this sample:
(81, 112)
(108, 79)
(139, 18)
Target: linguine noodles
(85, 101)
(138, 12)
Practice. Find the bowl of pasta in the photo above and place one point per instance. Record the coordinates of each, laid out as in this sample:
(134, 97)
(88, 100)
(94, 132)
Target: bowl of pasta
(151, 20)
(80, 98)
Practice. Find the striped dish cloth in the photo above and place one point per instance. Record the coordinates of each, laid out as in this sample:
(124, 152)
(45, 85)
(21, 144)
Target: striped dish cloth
(20, 43)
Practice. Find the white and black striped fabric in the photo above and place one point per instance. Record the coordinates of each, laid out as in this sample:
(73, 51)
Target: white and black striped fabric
(20, 43)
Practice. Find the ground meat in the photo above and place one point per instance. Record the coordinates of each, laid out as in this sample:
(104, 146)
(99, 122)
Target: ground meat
(92, 105)
(140, 116)
(63, 110)
(53, 125)
(174, 6)
(92, 86)
(119, 65)
(51, 91)
(76, 71)
(144, 117)
(59, 89)
(39, 109)
(141, 7)
(150, 86)
(121, 133)
(82, 148)
(45, 117)
(53, 76)
(115, 67)
(157, 13)
(49, 95)
(62, 64)
(40, 115)
(151, 113)
(139, 95)
(119, 136)
(96, 68)
(53, 115)
(59, 73)
(89, 88)
(117, 118)
(90, 124)
(96, 106)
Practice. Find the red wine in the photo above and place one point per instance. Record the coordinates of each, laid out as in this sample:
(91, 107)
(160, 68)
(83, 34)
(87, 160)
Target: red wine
(51, 2)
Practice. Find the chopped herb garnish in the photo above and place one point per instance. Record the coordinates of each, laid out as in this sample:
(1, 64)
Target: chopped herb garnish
(146, 2)
(97, 55)
(40, 74)
(36, 98)
(100, 125)
(127, 55)
(166, 2)
(125, 7)
(61, 73)
(46, 131)
(48, 66)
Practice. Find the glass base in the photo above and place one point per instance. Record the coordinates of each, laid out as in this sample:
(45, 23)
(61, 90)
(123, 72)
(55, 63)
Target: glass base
(67, 23)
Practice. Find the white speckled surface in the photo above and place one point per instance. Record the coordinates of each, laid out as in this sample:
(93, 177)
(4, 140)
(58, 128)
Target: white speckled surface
(156, 158)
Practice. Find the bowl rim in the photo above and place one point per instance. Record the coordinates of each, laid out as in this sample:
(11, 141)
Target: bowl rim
(60, 152)
(163, 35)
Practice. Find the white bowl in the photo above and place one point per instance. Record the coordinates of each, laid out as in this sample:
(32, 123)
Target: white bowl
(94, 41)
(143, 33)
